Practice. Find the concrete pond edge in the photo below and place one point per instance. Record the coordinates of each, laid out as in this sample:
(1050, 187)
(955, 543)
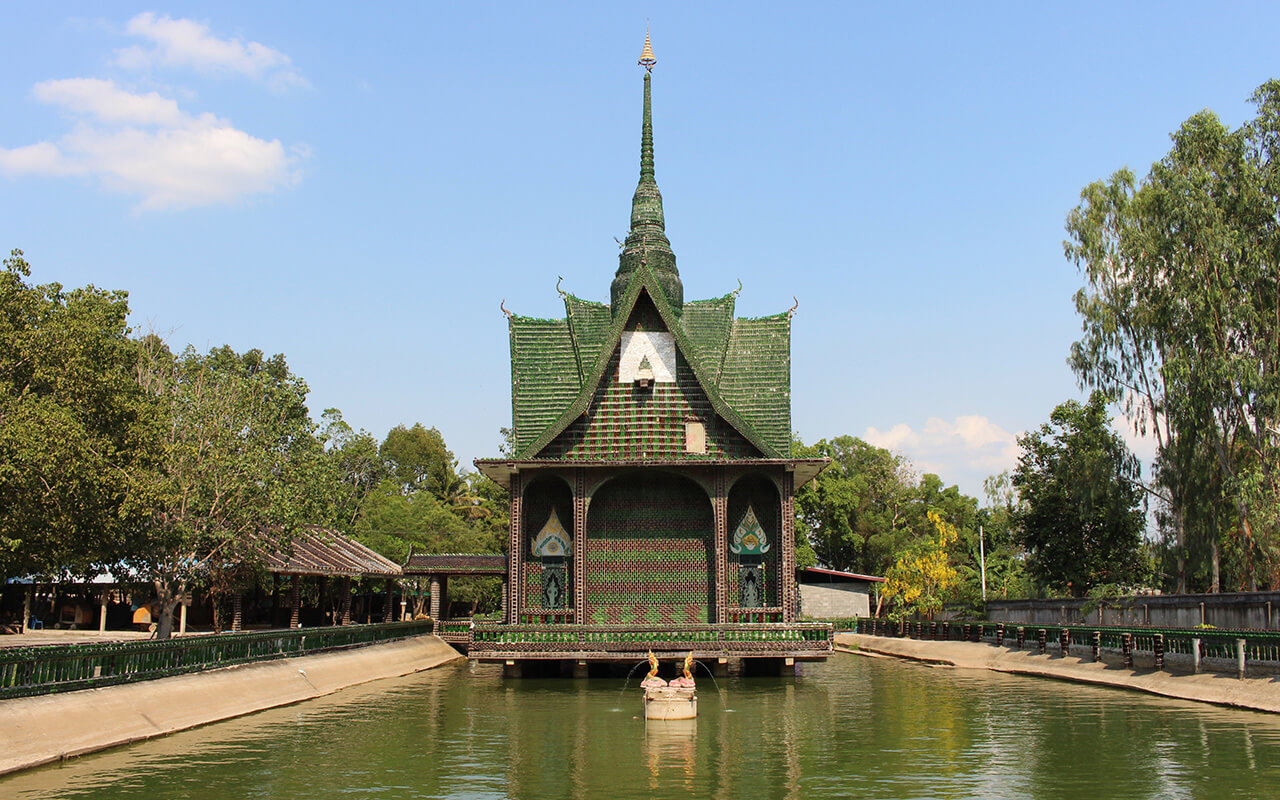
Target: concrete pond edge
(1254, 694)
(51, 728)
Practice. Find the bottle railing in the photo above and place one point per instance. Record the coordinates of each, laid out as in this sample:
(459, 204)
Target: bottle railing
(61, 668)
(1241, 646)
(811, 636)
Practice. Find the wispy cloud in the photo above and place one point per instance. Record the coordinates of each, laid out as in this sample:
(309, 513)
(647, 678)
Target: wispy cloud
(188, 43)
(145, 145)
(970, 444)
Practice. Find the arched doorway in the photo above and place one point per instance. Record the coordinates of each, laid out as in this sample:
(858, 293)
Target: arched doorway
(548, 557)
(755, 567)
(648, 557)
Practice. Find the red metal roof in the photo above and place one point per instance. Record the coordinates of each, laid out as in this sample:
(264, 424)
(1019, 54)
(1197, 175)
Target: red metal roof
(838, 574)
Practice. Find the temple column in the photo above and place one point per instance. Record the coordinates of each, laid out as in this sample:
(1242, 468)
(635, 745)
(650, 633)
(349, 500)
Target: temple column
(720, 510)
(579, 546)
(346, 602)
(515, 560)
(787, 580)
(295, 610)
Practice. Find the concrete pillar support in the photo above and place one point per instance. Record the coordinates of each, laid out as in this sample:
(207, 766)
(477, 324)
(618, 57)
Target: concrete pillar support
(1240, 664)
(102, 610)
(1195, 655)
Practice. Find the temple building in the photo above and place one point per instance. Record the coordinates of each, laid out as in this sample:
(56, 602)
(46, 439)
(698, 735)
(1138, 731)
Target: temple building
(652, 481)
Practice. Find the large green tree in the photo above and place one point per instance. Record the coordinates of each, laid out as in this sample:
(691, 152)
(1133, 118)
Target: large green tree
(240, 470)
(1082, 516)
(857, 514)
(75, 431)
(1180, 324)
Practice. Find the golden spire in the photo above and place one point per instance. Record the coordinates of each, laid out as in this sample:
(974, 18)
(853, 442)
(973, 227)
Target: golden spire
(646, 55)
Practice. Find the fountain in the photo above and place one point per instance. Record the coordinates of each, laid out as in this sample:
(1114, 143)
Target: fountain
(675, 700)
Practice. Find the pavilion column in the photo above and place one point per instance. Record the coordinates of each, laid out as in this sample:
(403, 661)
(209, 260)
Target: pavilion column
(720, 559)
(275, 599)
(102, 611)
(787, 580)
(237, 612)
(386, 607)
(434, 582)
(515, 560)
(326, 607)
(579, 546)
(506, 587)
(346, 602)
(295, 611)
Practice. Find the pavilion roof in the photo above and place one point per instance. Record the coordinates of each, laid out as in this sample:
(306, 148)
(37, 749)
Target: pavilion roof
(456, 564)
(322, 551)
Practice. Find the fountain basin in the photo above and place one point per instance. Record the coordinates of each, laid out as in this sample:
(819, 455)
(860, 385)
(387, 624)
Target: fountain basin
(670, 702)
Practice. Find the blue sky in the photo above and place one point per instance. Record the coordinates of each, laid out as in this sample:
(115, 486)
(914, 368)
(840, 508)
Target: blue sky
(359, 187)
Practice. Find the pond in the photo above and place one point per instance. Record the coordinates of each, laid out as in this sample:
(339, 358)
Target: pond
(873, 728)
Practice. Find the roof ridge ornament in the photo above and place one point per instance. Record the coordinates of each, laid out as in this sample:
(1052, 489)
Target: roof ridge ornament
(647, 59)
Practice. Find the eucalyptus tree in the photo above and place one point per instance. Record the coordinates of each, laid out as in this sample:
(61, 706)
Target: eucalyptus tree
(1181, 319)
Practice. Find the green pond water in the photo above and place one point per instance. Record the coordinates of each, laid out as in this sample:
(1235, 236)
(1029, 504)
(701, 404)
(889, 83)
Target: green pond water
(851, 727)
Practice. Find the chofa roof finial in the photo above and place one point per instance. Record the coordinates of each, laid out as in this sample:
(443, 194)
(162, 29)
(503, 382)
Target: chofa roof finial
(647, 59)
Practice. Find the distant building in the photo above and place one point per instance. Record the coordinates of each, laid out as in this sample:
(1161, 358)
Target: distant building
(831, 594)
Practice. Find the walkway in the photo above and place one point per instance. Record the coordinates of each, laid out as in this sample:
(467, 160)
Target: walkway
(1258, 694)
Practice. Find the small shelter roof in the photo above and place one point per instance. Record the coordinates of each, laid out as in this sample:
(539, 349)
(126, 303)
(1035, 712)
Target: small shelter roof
(828, 575)
(323, 551)
(456, 564)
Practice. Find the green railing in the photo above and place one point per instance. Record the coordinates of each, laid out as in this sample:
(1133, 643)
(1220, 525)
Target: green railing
(63, 668)
(801, 636)
(1259, 646)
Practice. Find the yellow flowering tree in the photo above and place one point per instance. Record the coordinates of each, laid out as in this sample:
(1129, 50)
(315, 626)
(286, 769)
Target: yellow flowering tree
(922, 576)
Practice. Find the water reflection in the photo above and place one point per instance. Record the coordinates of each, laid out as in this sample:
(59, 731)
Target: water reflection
(854, 726)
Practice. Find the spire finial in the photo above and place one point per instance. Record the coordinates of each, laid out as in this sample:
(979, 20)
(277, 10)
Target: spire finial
(647, 243)
(647, 59)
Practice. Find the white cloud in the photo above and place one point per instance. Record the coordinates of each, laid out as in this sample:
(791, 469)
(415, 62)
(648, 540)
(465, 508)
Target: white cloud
(964, 450)
(108, 103)
(145, 145)
(187, 43)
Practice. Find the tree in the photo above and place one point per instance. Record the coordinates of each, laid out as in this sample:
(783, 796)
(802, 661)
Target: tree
(922, 578)
(356, 465)
(1082, 518)
(74, 426)
(1180, 323)
(418, 459)
(240, 469)
(856, 513)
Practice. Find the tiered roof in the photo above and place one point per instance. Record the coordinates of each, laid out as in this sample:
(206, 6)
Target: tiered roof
(743, 366)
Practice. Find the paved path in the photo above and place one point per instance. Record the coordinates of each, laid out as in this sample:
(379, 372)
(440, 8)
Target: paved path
(1259, 694)
(38, 730)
